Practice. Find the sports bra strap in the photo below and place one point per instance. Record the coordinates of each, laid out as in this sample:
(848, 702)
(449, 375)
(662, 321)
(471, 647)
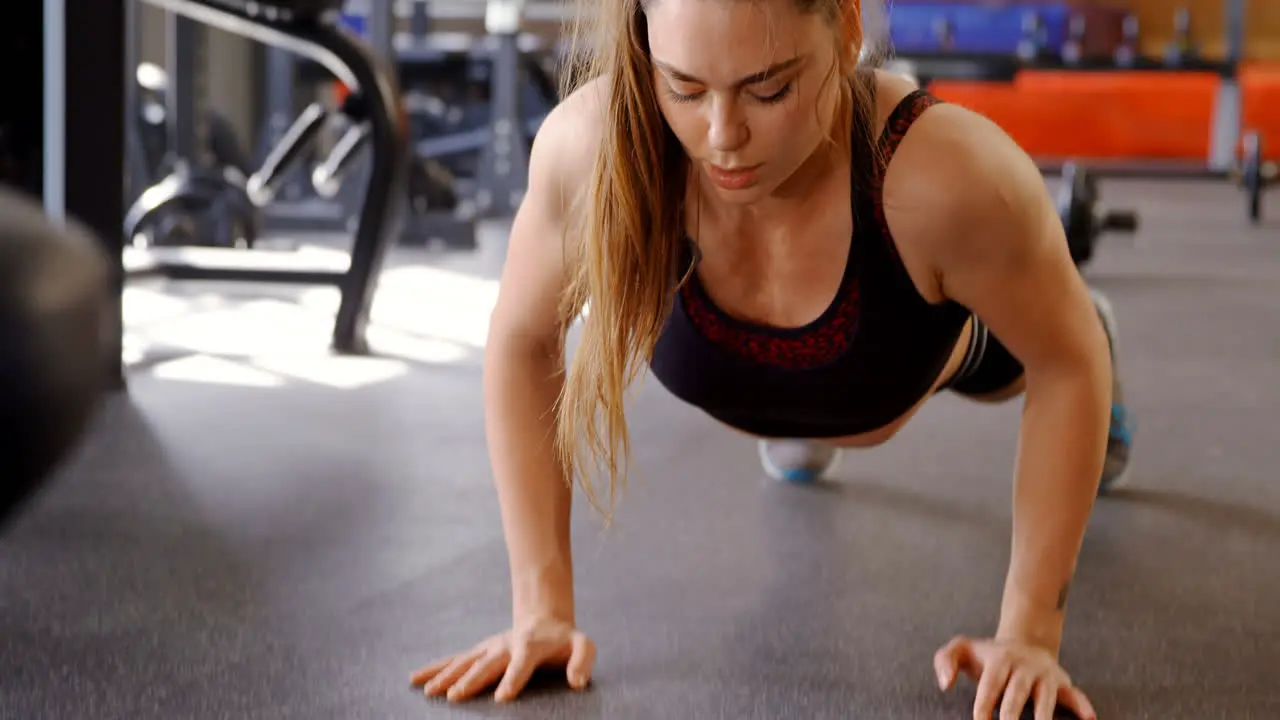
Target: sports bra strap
(906, 112)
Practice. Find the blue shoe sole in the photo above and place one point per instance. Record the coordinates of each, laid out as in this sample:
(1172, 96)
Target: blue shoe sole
(800, 477)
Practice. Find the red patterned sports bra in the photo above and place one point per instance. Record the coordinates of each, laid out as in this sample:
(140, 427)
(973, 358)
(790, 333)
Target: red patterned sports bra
(868, 359)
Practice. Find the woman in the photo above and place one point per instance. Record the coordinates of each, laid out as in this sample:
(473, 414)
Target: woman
(807, 250)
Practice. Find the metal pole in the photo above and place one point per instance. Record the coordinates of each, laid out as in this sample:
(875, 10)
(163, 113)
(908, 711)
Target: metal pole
(1235, 12)
(504, 159)
(55, 108)
(380, 31)
(185, 60)
(1224, 138)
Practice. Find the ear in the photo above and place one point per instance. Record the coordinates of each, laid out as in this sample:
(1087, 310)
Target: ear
(847, 57)
(852, 34)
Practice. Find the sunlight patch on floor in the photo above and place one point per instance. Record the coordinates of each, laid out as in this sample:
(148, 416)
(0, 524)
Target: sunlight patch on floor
(419, 315)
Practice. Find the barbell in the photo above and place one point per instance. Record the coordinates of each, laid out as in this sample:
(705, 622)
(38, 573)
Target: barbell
(1082, 220)
(1254, 174)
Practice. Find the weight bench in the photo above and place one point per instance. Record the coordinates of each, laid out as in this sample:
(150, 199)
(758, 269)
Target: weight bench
(310, 29)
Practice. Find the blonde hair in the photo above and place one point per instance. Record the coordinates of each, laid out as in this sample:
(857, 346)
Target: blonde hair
(625, 233)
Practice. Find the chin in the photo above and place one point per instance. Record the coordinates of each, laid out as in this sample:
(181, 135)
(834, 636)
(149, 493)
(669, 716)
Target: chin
(745, 196)
(755, 192)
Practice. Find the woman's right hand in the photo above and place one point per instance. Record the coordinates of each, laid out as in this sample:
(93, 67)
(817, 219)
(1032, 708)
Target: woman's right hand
(511, 657)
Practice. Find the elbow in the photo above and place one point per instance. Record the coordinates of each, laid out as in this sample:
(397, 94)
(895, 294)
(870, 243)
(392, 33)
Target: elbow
(1083, 365)
(1084, 380)
(512, 352)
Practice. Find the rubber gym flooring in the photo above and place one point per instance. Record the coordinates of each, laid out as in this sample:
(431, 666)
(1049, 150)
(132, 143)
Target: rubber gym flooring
(260, 530)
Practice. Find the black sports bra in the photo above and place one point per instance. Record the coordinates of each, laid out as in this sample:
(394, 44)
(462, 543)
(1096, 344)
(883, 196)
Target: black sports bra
(868, 359)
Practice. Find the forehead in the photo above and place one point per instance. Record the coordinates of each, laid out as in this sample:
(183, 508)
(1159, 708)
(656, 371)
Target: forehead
(730, 36)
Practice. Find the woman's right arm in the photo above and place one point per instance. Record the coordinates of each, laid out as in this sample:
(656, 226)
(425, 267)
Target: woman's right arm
(523, 375)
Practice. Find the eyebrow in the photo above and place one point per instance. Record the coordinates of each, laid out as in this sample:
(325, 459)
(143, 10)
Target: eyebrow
(752, 79)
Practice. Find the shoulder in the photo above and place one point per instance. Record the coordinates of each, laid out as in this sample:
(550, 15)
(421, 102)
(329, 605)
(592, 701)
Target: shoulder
(954, 149)
(959, 190)
(540, 255)
(567, 145)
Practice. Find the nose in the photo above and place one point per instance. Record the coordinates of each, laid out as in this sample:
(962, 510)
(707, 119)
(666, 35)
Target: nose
(728, 129)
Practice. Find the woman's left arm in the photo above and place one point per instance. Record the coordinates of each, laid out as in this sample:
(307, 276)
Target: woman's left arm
(998, 248)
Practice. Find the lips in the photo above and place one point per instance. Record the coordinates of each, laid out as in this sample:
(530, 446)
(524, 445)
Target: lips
(735, 178)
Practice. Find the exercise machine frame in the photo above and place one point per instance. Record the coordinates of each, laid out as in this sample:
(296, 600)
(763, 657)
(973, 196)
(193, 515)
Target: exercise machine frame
(354, 64)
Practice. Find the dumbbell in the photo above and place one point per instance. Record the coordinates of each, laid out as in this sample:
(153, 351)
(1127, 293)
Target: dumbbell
(1033, 44)
(1126, 55)
(1181, 50)
(1073, 47)
(1082, 222)
(1254, 174)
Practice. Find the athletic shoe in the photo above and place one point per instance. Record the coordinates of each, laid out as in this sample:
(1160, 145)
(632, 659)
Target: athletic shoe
(1120, 436)
(797, 461)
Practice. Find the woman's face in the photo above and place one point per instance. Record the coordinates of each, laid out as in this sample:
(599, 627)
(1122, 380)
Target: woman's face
(747, 87)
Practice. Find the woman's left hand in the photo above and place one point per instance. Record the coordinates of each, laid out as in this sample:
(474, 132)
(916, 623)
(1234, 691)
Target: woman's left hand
(1017, 671)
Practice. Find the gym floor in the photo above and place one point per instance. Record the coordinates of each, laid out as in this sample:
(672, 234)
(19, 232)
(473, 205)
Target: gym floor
(260, 530)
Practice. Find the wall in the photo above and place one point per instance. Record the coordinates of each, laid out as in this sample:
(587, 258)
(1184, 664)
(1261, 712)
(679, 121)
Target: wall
(1262, 25)
(231, 81)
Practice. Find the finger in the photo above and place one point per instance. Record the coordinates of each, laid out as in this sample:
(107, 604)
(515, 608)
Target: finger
(1046, 698)
(1017, 692)
(1074, 699)
(581, 659)
(954, 657)
(483, 673)
(519, 670)
(423, 675)
(448, 676)
(993, 681)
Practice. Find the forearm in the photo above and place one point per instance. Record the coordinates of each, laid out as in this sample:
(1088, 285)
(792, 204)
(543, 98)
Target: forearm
(1060, 456)
(522, 383)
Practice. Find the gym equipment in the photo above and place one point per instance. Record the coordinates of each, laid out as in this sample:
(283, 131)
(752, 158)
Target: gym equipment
(295, 206)
(1181, 50)
(1073, 48)
(55, 295)
(187, 165)
(1223, 160)
(151, 133)
(1033, 44)
(495, 130)
(446, 79)
(1255, 174)
(194, 206)
(433, 200)
(310, 28)
(1249, 170)
(1083, 223)
(975, 27)
(1126, 54)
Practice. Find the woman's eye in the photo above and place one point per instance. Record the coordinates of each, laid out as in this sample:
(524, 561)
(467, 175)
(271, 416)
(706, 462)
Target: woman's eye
(775, 97)
(677, 96)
